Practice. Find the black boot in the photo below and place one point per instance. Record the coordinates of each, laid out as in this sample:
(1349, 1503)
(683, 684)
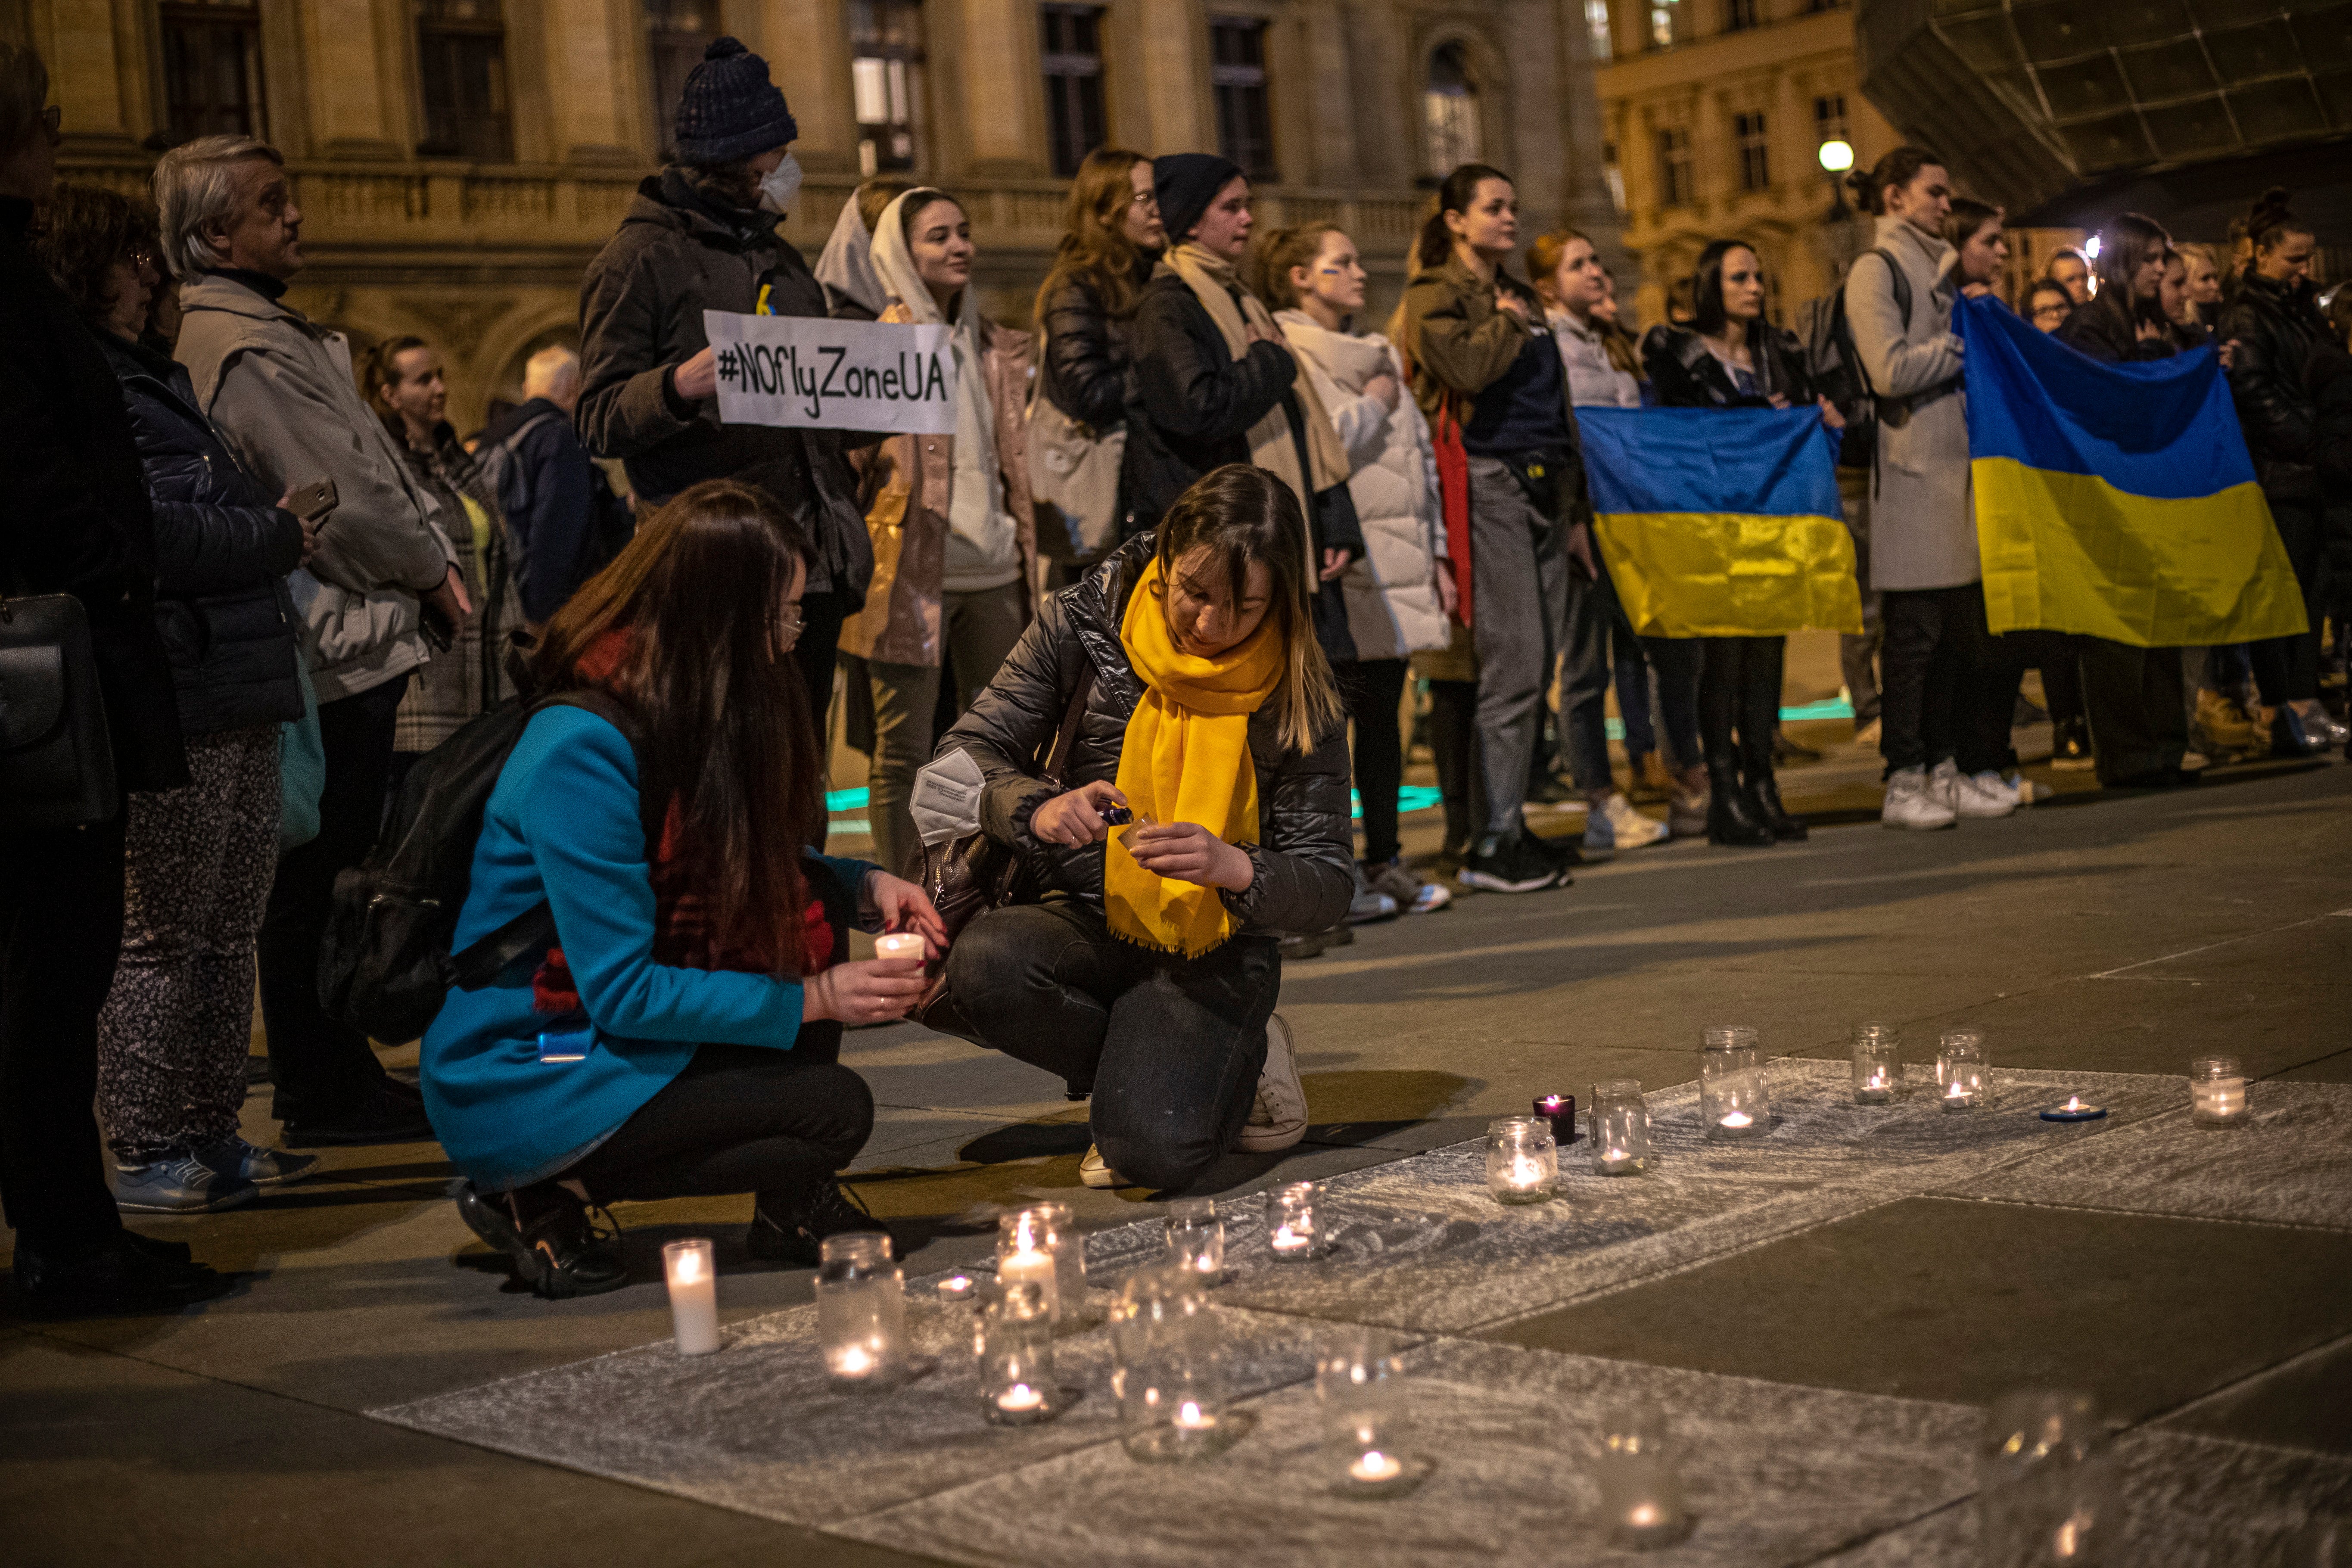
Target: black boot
(1731, 817)
(1764, 793)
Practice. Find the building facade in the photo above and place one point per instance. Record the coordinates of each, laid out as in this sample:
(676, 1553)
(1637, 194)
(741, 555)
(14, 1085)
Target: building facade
(458, 162)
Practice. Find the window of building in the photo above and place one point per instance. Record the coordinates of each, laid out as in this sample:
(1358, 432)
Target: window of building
(461, 62)
(1237, 80)
(1755, 152)
(677, 33)
(1665, 24)
(1072, 53)
(1596, 22)
(1738, 16)
(1449, 111)
(1613, 173)
(886, 82)
(1829, 119)
(212, 71)
(1675, 185)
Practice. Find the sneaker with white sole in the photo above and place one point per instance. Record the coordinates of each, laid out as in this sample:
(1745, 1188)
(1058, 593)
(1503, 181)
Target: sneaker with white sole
(1369, 904)
(1413, 895)
(1614, 824)
(1510, 865)
(1096, 1173)
(2025, 789)
(1912, 803)
(1969, 795)
(173, 1181)
(1278, 1118)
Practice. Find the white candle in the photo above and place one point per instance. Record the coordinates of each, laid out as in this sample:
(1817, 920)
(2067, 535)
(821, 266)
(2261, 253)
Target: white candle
(1020, 1400)
(1526, 1174)
(899, 945)
(1192, 1419)
(1033, 1266)
(2219, 1099)
(1375, 1465)
(1286, 1241)
(1645, 1515)
(850, 1361)
(1738, 1119)
(693, 1296)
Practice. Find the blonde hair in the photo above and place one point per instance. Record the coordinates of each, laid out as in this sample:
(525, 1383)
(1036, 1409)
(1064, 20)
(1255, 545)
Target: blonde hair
(1267, 273)
(1093, 245)
(196, 187)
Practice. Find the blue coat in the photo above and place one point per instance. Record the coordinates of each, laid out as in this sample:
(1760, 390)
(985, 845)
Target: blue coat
(562, 825)
(566, 522)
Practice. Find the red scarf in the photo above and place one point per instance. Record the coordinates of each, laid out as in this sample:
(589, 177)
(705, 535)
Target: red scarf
(684, 935)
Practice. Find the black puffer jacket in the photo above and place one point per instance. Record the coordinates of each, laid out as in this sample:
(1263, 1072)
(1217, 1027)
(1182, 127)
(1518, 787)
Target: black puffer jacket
(678, 254)
(1192, 403)
(2108, 331)
(1686, 374)
(1304, 869)
(222, 553)
(2277, 327)
(1087, 353)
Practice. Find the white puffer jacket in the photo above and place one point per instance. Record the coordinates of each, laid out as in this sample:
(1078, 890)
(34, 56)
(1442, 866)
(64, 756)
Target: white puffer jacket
(1392, 605)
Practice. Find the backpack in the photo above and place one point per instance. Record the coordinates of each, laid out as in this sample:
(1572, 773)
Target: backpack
(384, 961)
(1835, 367)
(609, 530)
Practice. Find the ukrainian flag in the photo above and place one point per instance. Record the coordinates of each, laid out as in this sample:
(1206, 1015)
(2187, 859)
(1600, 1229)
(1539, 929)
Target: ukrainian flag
(2117, 499)
(1721, 522)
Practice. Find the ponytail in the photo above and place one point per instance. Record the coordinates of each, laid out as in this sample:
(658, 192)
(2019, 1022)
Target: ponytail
(1460, 189)
(1899, 167)
(2270, 221)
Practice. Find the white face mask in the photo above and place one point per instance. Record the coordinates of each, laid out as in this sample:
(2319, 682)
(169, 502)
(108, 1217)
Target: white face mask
(781, 186)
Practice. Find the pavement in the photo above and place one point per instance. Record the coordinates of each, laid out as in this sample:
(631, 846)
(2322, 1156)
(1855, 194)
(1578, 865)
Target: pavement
(1825, 1315)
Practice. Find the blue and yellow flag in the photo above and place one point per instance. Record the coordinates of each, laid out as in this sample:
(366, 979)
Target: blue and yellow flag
(1721, 522)
(2117, 499)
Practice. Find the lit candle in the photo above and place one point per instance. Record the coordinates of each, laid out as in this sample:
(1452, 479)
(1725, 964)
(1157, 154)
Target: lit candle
(2217, 1091)
(1033, 1266)
(1288, 1242)
(2073, 1111)
(1376, 1467)
(1190, 1417)
(1526, 1175)
(850, 1361)
(1738, 1119)
(899, 945)
(1560, 1109)
(693, 1295)
(1020, 1400)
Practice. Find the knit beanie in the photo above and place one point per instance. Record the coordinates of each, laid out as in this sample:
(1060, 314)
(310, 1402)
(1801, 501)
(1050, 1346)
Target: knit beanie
(729, 109)
(1186, 183)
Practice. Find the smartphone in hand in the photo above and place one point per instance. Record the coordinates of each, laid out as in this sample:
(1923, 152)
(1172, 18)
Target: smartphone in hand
(312, 502)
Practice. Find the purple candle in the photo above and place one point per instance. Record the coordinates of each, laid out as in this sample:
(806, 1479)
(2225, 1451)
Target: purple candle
(1560, 1109)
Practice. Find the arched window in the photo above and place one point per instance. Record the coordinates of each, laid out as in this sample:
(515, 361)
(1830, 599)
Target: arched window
(1449, 110)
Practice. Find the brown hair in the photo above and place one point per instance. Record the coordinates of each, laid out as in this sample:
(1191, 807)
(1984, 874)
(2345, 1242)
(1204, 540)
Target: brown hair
(874, 198)
(1967, 217)
(2270, 221)
(1545, 254)
(83, 230)
(728, 743)
(1095, 249)
(378, 375)
(1898, 168)
(1266, 272)
(1242, 514)
(1460, 189)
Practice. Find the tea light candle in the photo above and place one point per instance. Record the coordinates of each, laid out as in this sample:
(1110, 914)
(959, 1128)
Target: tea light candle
(1190, 1417)
(1522, 1161)
(1877, 1056)
(1196, 1240)
(899, 945)
(1031, 1266)
(2073, 1111)
(1021, 1400)
(693, 1295)
(1560, 1109)
(850, 1361)
(1375, 1467)
(2217, 1091)
(1294, 1221)
(861, 1313)
(1961, 1068)
(1734, 1092)
(1641, 1480)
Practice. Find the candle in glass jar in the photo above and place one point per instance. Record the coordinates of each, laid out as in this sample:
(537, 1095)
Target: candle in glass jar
(1560, 1109)
(1031, 1266)
(1376, 1467)
(1020, 1400)
(850, 1361)
(2217, 1091)
(1192, 1419)
(899, 945)
(693, 1295)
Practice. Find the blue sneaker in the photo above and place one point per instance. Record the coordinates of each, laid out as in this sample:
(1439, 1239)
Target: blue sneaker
(233, 1157)
(175, 1182)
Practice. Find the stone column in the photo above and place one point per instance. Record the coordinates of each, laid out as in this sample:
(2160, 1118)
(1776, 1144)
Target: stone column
(1177, 82)
(806, 46)
(97, 74)
(1585, 202)
(1003, 92)
(358, 98)
(596, 85)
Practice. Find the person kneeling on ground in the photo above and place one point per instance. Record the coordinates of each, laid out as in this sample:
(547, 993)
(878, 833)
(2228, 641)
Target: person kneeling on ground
(1148, 978)
(682, 1034)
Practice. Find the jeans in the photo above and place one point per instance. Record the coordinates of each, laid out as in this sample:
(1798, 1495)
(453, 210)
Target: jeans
(1169, 1048)
(977, 632)
(2133, 698)
(320, 1064)
(1943, 682)
(2286, 669)
(1739, 690)
(1519, 558)
(1858, 655)
(60, 929)
(1676, 662)
(1375, 689)
(1453, 746)
(1584, 681)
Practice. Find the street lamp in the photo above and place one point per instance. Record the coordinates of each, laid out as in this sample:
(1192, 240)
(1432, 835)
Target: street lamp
(1837, 155)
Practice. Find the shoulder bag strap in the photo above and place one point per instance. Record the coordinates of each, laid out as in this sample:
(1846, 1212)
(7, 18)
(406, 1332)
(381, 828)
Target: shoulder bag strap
(1058, 758)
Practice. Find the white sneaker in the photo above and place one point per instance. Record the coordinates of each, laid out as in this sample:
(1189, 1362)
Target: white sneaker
(1615, 826)
(1278, 1119)
(1094, 1172)
(1970, 796)
(1914, 803)
(2026, 791)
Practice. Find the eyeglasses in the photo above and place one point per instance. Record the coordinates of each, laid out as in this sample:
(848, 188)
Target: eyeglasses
(789, 620)
(2051, 312)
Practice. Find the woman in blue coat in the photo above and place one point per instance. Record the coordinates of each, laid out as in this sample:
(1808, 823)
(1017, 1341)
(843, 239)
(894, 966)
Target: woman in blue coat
(683, 1033)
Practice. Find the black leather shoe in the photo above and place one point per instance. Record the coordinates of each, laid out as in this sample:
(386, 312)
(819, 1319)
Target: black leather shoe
(127, 1275)
(384, 1115)
(558, 1250)
(1731, 817)
(1764, 795)
(793, 1233)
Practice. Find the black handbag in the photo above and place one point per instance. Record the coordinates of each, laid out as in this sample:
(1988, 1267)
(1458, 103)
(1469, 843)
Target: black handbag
(57, 761)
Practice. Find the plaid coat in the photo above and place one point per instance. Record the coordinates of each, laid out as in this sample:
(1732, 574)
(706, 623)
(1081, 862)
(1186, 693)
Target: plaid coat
(469, 678)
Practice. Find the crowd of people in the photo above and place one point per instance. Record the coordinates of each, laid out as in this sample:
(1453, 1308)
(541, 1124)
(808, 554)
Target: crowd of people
(1164, 590)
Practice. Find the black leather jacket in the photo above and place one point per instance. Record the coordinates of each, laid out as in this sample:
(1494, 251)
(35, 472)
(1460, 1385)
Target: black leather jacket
(2277, 329)
(1087, 354)
(1686, 374)
(1305, 870)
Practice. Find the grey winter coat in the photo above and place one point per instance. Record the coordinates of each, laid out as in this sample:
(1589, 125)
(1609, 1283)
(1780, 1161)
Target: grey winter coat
(677, 255)
(1923, 530)
(1305, 855)
(279, 387)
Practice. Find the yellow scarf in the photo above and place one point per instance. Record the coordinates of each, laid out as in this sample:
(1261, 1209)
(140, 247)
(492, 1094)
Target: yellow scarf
(1186, 758)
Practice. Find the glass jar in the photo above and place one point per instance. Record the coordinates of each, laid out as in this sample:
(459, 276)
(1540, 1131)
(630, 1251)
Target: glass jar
(1640, 1472)
(2047, 1489)
(1024, 1254)
(861, 1313)
(1621, 1128)
(1293, 1222)
(1168, 1368)
(1017, 1387)
(1962, 1074)
(1877, 1063)
(1734, 1100)
(965, 1301)
(1522, 1160)
(1359, 1392)
(692, 1267)
(2216, 1092)
(1196, 1240)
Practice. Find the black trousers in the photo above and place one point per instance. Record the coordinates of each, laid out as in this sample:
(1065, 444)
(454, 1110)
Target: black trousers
(1945, 692)
(2133, 697)
(821, 615)
(1375, 689)
(1739, 702)
(320, 1064)
(1453, 746)
(60, 933)
(1170, 1049)
(2286, 669)
(740, 1119)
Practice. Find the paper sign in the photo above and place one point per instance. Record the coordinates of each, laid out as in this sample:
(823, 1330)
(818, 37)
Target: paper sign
(811, 373)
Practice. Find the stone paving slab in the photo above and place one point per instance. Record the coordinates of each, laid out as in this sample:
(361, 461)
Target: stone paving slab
(2291, 1164)
(1774, 1475)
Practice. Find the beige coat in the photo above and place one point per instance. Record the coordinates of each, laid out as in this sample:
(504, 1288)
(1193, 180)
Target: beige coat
(908, 484)
(1923, 530)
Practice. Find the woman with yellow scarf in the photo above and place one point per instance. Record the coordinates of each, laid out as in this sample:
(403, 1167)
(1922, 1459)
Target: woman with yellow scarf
(1203, 815)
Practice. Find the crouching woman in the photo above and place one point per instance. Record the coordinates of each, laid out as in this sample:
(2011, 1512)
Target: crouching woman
(682, 1034)
(1149, 974)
